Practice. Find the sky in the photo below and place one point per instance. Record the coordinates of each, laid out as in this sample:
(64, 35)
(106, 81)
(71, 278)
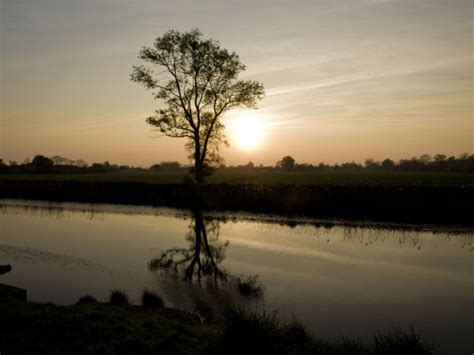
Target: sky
(345, 79)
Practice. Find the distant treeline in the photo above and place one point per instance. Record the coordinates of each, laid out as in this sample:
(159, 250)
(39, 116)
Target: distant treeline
(425, 163)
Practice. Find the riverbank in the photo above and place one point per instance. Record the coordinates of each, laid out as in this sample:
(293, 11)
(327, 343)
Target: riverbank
(448, 204)
(29, 327)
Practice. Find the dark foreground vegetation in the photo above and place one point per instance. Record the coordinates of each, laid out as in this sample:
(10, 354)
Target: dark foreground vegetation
(91, 327)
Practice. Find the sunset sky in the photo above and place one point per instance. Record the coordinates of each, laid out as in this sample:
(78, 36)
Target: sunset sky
(345, 79)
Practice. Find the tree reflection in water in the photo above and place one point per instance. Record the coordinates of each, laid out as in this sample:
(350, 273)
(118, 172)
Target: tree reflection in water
(194, 277)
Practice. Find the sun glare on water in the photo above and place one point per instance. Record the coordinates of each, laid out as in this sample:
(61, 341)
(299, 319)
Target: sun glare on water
(247, 130)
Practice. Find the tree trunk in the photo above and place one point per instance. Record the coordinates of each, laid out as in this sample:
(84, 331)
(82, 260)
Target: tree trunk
(198, 172)
(198, 165)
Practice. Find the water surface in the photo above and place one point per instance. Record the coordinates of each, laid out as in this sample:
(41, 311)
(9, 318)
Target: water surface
(335, 278)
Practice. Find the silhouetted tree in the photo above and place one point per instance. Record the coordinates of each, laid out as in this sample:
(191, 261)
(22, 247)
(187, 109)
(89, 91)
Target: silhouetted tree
(371, 164)
(425, 159)
(198, 83)
(59, 160)
(42, 164)
(388, 164)
(439, 157)
(98, 168)
(287, 163)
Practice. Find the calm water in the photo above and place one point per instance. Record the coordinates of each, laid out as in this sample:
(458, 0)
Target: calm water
(334, 278)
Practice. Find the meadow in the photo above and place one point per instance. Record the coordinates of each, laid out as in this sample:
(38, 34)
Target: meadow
(438, 198)
(271, 177)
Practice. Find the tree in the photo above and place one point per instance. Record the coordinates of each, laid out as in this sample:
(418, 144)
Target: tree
(3, 167)
(287, 163)
(425, 159)
(388, 164)
(42, 164)
(440, 157)
(198, 83)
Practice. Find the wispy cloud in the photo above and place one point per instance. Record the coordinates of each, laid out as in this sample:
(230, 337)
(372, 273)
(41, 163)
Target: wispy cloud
(338, 65)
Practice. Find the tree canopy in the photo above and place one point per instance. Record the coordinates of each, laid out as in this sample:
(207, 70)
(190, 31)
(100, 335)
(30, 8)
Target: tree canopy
(197, 83)
(287, 162)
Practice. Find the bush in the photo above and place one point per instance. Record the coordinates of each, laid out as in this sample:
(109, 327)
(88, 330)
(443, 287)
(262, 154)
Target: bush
(151, 299)
(118, 297)
(86, 299)
(248, 331)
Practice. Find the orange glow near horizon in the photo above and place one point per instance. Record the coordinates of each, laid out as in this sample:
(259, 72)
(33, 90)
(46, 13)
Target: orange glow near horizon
(340, 84)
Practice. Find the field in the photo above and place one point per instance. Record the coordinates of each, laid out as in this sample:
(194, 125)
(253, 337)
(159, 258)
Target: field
(268, 177)
(434, 198)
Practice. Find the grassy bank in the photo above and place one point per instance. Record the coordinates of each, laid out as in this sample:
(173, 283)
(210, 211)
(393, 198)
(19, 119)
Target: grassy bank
(266, 178)
(382, 198)
(105, 328)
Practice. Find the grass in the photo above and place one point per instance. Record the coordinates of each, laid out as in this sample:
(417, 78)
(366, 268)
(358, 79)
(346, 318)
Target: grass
(105, 328)
(398, 341)
(260, 333)
(35, 328)
(267, 177)
(439, 198)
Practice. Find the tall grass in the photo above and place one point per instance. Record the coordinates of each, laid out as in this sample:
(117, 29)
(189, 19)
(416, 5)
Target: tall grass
(249, 332)
(399, 341)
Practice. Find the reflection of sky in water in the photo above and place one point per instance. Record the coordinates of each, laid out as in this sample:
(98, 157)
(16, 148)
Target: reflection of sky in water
(346, 279)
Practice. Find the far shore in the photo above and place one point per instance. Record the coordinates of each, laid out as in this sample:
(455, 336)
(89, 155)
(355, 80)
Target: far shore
(417, 203)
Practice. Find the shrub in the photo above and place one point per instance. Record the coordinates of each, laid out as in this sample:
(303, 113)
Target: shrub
(118, 297)
(151, 299)
(86, 299)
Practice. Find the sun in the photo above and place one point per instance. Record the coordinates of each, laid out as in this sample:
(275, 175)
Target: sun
(246, 130)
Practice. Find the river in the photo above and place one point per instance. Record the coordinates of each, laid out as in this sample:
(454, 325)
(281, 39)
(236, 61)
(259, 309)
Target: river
(334, 277)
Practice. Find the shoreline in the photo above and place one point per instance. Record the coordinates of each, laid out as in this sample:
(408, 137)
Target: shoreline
(31, 327)
(415, 205)
(225, 216)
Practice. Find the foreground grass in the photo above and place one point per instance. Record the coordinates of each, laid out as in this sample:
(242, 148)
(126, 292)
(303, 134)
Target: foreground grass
(105, 328)
(267, 177)
(99, 328)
